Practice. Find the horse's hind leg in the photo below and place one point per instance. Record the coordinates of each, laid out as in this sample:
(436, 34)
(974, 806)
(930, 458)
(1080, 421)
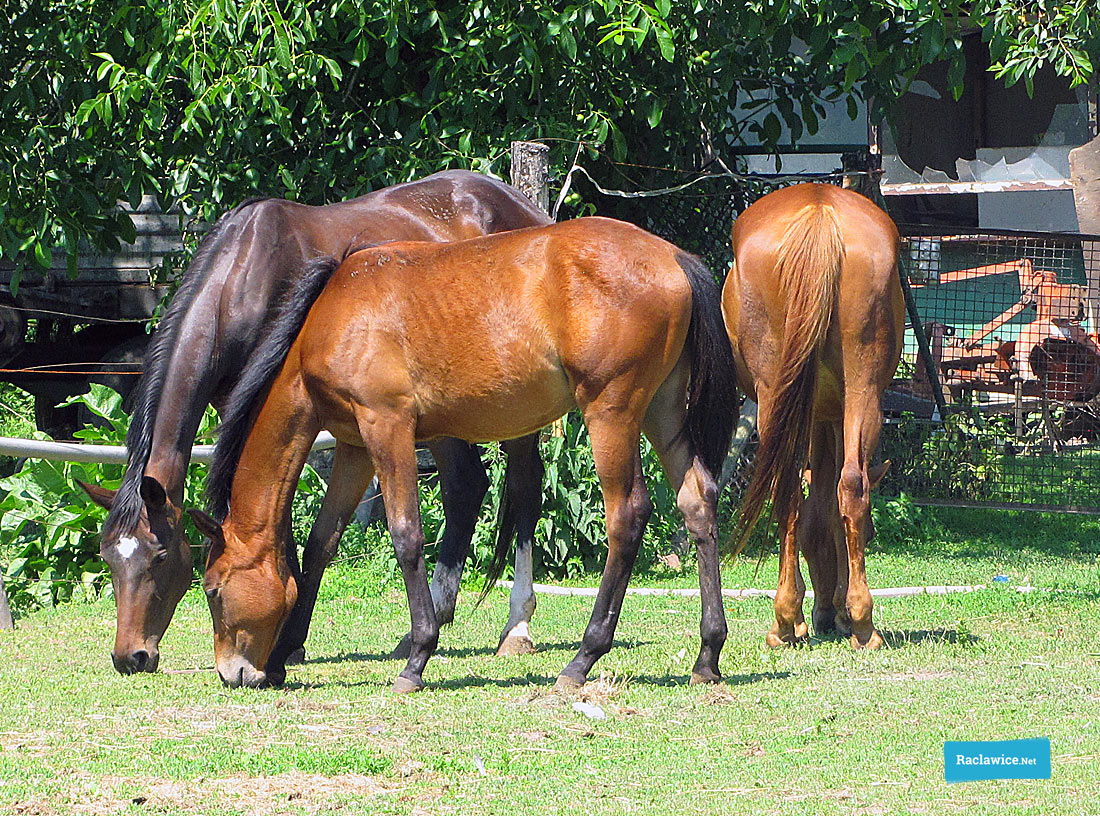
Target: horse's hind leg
(862, 424)
(523, 486)
(351, 473)
(789, 627)
(818, 527)
(462, 488)
(697, 499)
(615, 440)
(390, 441)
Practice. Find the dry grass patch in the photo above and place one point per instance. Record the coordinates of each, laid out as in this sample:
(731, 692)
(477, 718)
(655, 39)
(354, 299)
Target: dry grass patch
(286, 793)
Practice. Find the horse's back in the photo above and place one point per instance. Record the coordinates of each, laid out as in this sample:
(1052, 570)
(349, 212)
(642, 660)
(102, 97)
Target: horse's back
(865, 328)
(505, 322)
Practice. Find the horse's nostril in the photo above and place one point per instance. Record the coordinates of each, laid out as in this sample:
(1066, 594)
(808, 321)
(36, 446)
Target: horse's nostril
(139, 659)
(122, 664)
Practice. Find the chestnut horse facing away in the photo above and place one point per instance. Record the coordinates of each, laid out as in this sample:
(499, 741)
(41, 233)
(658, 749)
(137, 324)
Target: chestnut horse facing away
(231, 289)
(486, 339)
(815, 313)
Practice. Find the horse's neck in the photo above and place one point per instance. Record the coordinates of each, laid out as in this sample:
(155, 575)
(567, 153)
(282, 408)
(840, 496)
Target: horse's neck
(188, 389)
(271, 461)
(214, 340)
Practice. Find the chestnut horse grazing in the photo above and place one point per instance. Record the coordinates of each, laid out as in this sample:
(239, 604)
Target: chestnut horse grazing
(230, 291)
(814, 311)
(486, 339)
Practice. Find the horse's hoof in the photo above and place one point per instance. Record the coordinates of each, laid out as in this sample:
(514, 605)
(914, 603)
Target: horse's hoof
(403, 649)
(403, 685)
(567, 683)
(297, 657)
(824, 623)
(515, 645)
(704, 677)
(875, 641)
(775, 641)
(842, 623)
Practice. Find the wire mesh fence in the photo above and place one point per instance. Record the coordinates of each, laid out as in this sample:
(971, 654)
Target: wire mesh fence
(1011, 322)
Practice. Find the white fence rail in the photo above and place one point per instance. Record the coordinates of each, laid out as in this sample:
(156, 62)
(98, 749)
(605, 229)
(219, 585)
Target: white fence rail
(103, 454)
(106, 454)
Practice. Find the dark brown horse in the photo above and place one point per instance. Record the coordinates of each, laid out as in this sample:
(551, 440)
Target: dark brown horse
(491, 338)
(250, 258)
(814, 311)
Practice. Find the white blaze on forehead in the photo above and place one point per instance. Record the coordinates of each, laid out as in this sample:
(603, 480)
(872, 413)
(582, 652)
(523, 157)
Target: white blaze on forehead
(127, 546)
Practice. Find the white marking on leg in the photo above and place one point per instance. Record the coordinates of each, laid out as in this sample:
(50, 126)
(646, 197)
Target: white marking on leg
(127, 546)
(521, 602)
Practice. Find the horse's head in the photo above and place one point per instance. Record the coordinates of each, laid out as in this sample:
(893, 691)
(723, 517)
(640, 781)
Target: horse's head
(150, 563)
(250, 597)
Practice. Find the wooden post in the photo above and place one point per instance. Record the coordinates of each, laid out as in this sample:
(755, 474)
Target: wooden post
(531, 172)
(531, 175)
(6, 621)
(1084, 163)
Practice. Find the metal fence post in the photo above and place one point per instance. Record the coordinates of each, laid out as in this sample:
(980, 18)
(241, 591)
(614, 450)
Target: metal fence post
(6, 621)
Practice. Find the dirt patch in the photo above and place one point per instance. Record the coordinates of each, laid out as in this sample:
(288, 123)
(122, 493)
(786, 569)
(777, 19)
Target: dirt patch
(289, 793)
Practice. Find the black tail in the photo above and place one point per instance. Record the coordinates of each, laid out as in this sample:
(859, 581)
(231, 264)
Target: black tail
(506, 531)
(257, 375)
(712, 395)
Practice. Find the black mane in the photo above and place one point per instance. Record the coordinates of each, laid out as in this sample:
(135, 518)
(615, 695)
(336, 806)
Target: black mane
(258, 373)
(126, 508)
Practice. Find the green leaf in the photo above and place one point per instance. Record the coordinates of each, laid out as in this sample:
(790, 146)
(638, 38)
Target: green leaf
(282, 48)
(664, 40)
(771, 129)
(126, 230)
(43, 255)
(656, 112)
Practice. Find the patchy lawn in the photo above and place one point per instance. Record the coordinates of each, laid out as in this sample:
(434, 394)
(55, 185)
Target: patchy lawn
(814, 730)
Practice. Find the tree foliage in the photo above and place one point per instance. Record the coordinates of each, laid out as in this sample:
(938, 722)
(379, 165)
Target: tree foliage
(206, 102)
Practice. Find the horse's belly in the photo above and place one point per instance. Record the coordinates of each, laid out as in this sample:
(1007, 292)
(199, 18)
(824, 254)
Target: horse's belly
(501, 410)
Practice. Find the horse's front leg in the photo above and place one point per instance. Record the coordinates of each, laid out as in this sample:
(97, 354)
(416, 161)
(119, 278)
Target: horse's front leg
(391, 444)
(352, 471)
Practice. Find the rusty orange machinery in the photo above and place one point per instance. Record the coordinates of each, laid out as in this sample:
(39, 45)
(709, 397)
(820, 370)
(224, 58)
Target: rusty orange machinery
(1053, 356)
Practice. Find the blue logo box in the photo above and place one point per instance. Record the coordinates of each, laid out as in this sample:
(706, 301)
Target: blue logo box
(1007, 759)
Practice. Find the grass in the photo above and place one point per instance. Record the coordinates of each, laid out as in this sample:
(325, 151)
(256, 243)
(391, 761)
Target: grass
(818, 730)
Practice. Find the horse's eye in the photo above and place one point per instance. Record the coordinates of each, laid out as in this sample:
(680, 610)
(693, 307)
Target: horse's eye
(211, 592)
(160, 555)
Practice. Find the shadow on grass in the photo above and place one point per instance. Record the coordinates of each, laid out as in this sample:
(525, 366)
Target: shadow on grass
(900, 638)
(470, 651)
(897, 638)
(541, 682)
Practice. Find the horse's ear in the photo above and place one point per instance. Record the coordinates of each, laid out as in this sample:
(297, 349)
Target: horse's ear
(206, 524)
(100, 495)
(153, 493)
(875, 474)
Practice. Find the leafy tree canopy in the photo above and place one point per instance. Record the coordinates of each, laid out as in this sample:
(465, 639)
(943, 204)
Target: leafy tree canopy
(206, 102)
